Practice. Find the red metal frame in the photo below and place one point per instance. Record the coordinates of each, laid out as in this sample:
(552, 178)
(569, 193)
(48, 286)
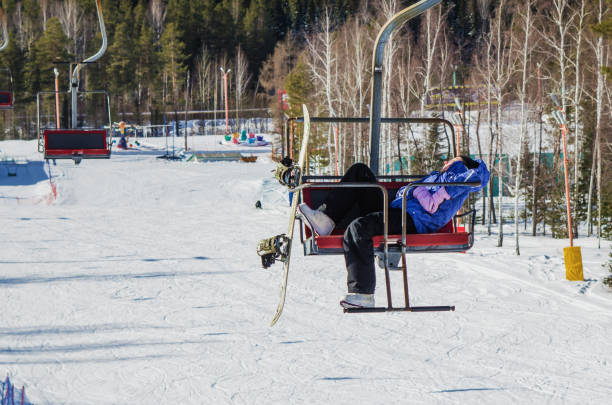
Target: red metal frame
(448, 235)
(447, 239)
(421, 239)
(70, 152)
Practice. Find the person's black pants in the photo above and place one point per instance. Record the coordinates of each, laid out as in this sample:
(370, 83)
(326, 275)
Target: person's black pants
(357, 243)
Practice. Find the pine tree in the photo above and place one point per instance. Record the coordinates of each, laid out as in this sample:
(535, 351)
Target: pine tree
(263, 26)
(122, 59)
(146, 63)
(608, 280)
(50, 47)
(299, 90)
(172, 58)
(14, 58)
(186, 14)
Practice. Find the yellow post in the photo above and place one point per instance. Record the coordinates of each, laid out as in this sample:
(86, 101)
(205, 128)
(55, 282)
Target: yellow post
(573, 263)
(571, 254)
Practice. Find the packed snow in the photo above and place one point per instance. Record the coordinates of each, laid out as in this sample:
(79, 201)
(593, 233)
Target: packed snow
(135, 280)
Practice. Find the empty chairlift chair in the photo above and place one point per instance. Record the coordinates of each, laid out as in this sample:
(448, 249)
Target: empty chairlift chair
(82, 140)
(6, 93)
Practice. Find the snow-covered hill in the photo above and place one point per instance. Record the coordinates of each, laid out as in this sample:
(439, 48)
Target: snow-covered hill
(138, 283)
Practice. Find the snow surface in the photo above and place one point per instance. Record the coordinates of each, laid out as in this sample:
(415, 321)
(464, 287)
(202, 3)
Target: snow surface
(139, 284)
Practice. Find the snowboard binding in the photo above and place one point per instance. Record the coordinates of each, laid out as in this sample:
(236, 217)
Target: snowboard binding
(272, 249)
(287, 173)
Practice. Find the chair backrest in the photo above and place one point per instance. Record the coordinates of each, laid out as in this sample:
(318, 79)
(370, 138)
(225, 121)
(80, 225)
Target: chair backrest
(314, 197)
(66, 143)
(6, 99)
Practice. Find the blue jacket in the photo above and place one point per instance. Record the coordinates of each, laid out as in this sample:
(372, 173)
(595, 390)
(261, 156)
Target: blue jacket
(425, 222)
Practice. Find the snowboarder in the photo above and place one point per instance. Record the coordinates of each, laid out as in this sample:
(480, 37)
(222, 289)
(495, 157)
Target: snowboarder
(428, 208)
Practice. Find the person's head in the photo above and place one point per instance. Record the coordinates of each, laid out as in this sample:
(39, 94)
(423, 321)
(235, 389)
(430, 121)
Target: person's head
(468, 162)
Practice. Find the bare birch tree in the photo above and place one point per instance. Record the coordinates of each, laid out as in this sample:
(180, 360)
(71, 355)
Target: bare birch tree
(504, 65)
(581, 15)
(388, 9)
(597, 44)
(354, 83)
(485, 68)
(558, 16)
(70, 16)
(242, 78)
(321, 62)
(406, 88)
(360, 64)
(203, 70)
(526, 22)
(157, 11)
(432, 26)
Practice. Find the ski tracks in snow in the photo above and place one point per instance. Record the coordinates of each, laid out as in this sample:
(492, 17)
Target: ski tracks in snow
(140, 284)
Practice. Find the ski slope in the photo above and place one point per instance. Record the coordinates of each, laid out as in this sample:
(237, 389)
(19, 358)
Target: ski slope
(138, 283)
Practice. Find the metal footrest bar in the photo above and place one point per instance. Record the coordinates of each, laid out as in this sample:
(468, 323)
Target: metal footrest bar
(404, 309)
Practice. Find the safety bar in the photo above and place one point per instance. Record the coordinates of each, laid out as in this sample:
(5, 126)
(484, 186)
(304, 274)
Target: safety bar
(404, 199)
(386, 177)
(406, 309)
(386, 239)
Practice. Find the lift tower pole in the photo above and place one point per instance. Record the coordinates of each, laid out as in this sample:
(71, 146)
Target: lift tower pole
(377, 70)
(74, 88)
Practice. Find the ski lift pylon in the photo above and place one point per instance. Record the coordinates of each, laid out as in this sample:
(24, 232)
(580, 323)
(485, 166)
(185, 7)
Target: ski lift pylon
(77, 142)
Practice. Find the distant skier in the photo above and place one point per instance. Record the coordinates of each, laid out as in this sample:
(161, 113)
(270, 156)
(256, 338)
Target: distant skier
(122, 142)
(428, 208)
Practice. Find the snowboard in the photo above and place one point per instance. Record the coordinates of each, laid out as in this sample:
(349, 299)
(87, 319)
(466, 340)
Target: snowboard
(288, 238)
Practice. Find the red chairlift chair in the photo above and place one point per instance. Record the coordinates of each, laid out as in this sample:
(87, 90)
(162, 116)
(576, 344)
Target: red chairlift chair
(78, 142)
(74, 143)
(7, 99)
(389, 255)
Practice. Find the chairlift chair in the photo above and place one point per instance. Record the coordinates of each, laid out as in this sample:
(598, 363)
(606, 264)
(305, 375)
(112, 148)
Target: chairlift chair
(80, 141)
(389, 255)
(7, 100)
(390, 250)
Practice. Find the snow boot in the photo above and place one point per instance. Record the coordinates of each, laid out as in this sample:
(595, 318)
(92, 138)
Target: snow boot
(317, 220)
(356, 300)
